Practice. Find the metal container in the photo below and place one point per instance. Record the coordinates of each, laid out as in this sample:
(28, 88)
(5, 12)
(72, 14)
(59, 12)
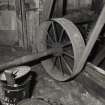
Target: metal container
(11, 95)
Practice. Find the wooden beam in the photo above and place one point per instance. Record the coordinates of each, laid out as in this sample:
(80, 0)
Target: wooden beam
(24, 24)
(19, 23)
(28, 58)
(93, 37)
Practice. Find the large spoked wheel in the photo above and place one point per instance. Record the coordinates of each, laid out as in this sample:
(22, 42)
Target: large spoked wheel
(63, 34)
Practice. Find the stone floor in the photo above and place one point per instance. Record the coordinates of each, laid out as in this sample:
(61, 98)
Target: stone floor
(51, 91)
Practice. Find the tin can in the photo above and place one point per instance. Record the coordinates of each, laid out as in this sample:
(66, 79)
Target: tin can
(11, 95)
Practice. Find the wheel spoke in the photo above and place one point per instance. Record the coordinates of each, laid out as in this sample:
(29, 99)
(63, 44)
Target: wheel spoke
(61, 35)
(54, 62)
(66, 44)
(60, 64)
(67, 65)
(67, 54)
(50, 38)
(49, 44)
(54, 31)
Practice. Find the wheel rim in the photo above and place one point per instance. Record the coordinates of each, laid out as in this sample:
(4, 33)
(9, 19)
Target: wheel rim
(61, 33)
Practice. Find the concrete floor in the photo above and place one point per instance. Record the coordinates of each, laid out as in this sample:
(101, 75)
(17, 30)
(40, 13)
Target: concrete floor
(54, 92)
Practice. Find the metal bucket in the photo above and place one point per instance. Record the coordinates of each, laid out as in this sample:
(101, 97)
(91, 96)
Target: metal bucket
(11, 95)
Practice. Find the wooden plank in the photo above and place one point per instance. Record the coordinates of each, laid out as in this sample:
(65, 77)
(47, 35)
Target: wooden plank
(32, 24)
(32, 17)
(28, 58)
(35, 28)
(19, 23)
(47, 9)
(93, 37)
(27, 23)
(24, 23)
(93, 79)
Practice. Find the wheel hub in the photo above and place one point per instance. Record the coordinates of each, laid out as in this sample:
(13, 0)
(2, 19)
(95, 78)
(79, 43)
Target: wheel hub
(59, 50)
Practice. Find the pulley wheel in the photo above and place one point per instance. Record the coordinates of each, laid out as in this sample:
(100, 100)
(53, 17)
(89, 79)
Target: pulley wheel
(62, 34)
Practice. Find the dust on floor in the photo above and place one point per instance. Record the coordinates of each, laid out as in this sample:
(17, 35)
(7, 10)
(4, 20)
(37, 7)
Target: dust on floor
(61, 93)
(54, 92)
